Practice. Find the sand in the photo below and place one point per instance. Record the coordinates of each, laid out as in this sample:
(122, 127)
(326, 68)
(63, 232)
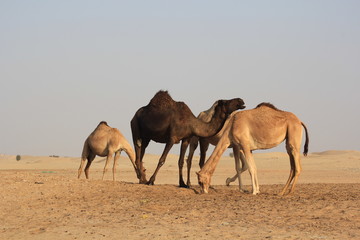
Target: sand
(41, 198)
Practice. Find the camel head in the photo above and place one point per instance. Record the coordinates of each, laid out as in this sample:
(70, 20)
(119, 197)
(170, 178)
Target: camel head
(225, 107)
(233, 105)
(204, 182)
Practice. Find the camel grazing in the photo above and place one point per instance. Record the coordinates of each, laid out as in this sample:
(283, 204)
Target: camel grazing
(263, 127)
(205, 116)
(105, 141)
(204, 143)
(164, 120)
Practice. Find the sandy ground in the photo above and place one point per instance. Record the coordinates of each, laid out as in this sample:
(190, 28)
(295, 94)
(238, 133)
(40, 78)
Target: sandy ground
(41, 198)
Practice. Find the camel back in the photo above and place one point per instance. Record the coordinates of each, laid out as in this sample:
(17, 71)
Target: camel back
(306, 145)
(269, 105)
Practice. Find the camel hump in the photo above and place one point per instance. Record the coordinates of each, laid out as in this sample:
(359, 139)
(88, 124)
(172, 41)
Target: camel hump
(162, 99)
(103, 122)
(267, 104)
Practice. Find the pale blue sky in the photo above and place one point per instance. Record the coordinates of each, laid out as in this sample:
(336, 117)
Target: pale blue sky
(67, 65)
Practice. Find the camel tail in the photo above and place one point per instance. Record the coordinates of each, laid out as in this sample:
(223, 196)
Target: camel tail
(306, 145)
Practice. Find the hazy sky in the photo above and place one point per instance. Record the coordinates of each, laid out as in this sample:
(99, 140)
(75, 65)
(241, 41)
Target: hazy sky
(67, 65)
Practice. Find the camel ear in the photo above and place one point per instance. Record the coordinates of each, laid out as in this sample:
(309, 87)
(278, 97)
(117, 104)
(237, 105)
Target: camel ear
(197, 173)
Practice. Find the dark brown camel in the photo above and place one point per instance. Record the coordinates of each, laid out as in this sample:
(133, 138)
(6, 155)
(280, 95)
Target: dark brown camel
(164, 120)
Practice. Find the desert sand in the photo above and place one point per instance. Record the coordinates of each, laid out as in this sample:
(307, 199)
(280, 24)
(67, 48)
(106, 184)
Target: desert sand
(41, 198)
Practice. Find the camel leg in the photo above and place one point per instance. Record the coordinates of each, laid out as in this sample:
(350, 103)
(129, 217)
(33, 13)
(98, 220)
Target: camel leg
(295, 170)
(85, 154)
(162, 159)
(204, 145)
(140, 152)
(253, 171)
(142, 169)
(244, 167)
(81, 166)
(90, 158)
(231, 179)
(291, 176)
(238, 169)
(106, 164)
(139, 148)
(116, 158)
(184, 145)
(193, 146)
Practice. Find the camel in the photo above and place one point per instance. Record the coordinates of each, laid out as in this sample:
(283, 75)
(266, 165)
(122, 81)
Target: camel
(164, 120)
(263, 127)
(105, 141)
(204, 144)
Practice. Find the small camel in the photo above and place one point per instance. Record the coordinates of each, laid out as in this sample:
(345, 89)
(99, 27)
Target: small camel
(105, 141)
(167, 121)
(263, 127)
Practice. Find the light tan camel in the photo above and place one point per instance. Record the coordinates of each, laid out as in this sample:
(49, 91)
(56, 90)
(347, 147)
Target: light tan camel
(263, 127)
(105, 141)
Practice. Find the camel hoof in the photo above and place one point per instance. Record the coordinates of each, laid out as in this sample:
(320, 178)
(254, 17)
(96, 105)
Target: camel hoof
(150, 183)
(228, 181)
(143, 181)
(183, 186)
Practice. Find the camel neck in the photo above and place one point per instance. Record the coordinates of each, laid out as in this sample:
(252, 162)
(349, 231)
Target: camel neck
(208, 129)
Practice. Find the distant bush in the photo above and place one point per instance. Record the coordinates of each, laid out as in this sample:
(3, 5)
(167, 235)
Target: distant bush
(231, 154)
(18, 157)
(54, 156)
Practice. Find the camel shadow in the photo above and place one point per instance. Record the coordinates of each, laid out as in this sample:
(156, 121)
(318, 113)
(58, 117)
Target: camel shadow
(199, 192)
